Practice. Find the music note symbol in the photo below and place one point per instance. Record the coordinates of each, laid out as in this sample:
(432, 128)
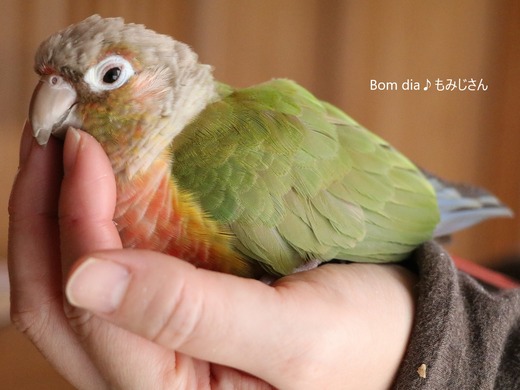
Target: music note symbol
(428, 85)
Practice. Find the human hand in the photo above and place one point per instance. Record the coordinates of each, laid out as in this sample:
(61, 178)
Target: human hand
(141, 319)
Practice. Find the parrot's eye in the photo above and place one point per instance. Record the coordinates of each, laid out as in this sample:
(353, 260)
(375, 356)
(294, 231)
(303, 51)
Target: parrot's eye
(110, 73)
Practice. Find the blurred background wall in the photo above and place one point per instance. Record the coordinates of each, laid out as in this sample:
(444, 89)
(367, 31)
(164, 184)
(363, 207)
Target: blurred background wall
(334, 48)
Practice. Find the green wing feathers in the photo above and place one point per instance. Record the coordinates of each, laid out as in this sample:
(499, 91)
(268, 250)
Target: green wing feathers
(295, 179)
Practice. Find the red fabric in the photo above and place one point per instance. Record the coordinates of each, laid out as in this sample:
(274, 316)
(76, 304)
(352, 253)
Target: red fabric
(485, 275)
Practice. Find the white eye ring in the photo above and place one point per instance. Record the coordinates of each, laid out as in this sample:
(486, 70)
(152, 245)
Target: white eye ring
(111, 73)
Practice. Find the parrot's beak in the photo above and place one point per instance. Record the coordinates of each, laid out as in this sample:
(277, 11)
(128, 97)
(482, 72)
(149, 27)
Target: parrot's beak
(52, 108)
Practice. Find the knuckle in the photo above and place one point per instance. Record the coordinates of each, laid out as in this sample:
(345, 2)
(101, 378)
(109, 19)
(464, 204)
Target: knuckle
(181, 318)
(80, 321)
(34, 324)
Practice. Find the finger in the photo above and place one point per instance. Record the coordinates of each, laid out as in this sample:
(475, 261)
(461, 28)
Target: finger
(87, 201)
(33, 245)
(34, 260)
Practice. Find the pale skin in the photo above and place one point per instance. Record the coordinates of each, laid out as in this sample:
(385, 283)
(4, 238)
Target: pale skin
(107, 317)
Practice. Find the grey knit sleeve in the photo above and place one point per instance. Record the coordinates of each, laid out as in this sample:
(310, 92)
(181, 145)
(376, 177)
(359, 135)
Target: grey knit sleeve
(465, 336)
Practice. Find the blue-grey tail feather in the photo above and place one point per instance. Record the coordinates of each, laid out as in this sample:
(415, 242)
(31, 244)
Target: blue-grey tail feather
(462, 206)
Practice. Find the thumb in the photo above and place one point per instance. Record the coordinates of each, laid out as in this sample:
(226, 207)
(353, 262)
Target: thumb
(211, 316)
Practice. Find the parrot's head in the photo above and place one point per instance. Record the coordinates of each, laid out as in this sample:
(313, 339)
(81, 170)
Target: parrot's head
(131, 88)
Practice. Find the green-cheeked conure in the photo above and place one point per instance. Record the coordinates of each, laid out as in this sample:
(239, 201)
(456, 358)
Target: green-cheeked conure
(259, 181)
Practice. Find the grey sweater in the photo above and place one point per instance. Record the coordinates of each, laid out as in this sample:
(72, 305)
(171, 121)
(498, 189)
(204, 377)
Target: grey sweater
(465, 336)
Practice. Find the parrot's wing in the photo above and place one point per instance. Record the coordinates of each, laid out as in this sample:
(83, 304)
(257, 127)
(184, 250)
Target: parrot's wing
(295, 179)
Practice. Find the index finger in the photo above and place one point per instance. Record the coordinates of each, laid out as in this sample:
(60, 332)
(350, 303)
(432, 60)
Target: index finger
(34, 259)
(33, 243)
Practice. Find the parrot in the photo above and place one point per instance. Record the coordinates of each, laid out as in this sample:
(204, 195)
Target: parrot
(265, 180)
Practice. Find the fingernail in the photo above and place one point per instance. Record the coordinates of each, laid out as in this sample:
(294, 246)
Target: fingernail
(70, 152)
(98, 285)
